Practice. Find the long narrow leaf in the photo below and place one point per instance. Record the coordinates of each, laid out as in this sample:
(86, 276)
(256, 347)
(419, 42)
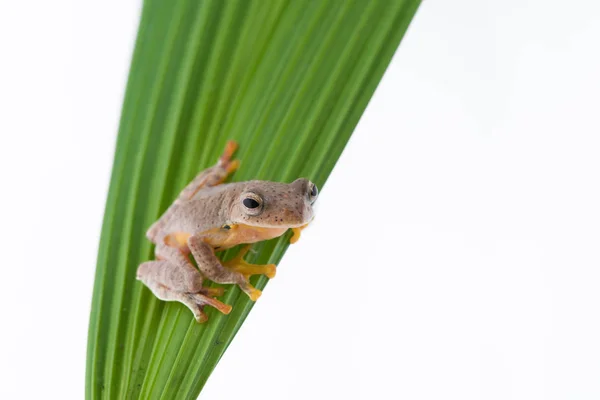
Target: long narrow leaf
(289, 81)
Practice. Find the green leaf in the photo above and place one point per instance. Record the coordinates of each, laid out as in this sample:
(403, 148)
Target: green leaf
(289, 81)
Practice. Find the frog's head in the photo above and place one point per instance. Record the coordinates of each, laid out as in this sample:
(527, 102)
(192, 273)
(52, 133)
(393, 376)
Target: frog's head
(273, 205)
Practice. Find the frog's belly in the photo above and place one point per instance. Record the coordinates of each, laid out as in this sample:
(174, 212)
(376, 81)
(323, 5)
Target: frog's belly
(225, 238)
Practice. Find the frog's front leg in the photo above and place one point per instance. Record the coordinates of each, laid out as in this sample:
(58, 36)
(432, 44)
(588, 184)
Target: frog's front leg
(235, 271)
(174, 278)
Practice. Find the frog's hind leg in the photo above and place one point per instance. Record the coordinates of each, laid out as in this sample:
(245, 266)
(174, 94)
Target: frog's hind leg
(170, 282)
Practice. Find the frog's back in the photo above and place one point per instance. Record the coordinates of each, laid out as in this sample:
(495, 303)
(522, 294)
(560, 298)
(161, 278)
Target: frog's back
(207, 209)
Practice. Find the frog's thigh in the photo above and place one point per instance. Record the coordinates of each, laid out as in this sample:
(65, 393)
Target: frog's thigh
(156, 275)
(177, 273)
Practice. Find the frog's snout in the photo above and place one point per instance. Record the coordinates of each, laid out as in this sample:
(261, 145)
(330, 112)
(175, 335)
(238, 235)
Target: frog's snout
(306, 189)
(305, 214)
(299, 215)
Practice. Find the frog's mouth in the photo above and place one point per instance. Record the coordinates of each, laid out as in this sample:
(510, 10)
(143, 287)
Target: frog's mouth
(283, 226)
(279, 218)
(284, 223)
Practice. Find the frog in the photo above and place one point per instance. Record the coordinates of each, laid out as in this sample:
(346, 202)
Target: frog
(211, 216)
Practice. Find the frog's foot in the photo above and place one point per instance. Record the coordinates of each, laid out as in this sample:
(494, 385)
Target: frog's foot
(250, 290)
(197, 301)
(296, 236)
(225, 160)
(238, 264)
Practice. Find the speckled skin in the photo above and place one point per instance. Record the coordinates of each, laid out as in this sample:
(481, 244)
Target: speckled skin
(284, 206)
(209, 216)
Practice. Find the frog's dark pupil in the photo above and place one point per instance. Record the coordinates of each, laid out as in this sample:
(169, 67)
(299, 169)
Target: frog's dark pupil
(314, 191)
(250, 203)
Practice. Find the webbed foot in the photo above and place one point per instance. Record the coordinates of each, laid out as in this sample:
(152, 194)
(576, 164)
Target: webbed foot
(296, 236)
(196, 302)
(238, 264)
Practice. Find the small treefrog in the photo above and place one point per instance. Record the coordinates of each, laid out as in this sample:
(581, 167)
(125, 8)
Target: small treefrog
(210, 216)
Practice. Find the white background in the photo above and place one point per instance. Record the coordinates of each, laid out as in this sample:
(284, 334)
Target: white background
(464, 214)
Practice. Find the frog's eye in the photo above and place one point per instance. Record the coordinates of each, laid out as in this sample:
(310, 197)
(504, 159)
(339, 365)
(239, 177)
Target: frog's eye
(252, 203)
(313, 192)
